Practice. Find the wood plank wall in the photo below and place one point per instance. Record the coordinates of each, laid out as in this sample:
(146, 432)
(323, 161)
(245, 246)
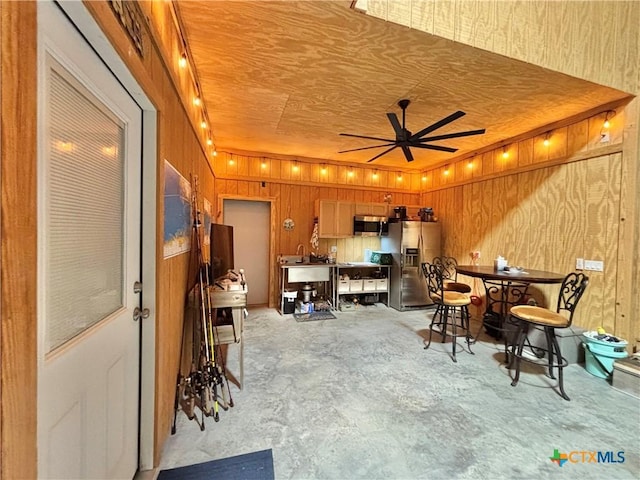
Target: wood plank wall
(543, 217)
(295, 191)
(600, 43)
(599, 40)
(182, 142)
(18, 327)
(178, 141)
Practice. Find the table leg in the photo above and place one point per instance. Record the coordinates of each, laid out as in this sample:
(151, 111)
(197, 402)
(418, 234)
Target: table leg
(501, 296)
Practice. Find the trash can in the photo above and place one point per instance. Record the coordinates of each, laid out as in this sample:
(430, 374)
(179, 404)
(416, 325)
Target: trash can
(600, 353)
(289, 301)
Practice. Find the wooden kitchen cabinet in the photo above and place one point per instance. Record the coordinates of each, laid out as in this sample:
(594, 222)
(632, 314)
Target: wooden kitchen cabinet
(372, 209)
(335, 218)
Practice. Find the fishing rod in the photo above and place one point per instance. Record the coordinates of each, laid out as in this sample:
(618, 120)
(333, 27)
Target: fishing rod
(207, 370)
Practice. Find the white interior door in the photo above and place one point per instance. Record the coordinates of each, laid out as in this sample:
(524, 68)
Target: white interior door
(251, 232)
(89, 258)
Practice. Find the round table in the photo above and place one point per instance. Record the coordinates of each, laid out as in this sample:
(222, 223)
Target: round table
(527, 276)
(505, 289)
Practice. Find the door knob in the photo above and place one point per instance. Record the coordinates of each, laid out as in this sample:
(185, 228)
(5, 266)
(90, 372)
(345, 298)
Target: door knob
(138, 313)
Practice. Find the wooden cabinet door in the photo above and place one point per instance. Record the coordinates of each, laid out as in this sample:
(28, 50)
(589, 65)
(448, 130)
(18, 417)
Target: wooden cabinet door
(371, 209)
(379, 209)
(344, 227)
(327, 212)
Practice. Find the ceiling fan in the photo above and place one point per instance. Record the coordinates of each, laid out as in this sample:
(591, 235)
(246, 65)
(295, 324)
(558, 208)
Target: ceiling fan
(405, 139)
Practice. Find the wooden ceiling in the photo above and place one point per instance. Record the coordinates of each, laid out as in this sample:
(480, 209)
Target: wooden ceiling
(286, 77)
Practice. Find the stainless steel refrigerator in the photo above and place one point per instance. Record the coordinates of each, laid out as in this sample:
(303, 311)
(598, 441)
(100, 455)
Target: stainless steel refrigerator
(410, 243)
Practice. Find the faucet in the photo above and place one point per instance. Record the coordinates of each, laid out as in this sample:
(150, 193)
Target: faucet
(300, 246)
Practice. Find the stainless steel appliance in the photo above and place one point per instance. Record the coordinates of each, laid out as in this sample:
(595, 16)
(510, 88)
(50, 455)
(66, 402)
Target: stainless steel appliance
(410, 243)
(369, 226)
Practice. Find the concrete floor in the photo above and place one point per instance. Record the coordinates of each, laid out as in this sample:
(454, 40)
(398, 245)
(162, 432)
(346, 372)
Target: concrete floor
(359, 397)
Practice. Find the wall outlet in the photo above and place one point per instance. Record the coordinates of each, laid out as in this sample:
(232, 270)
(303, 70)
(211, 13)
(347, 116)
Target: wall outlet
(334, 248)
(594, 265)
(579, 263)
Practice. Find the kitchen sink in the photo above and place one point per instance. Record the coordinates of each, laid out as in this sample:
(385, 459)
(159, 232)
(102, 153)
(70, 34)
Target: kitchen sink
(310, 272)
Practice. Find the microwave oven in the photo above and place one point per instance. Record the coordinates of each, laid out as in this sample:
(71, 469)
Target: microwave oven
(370, 226)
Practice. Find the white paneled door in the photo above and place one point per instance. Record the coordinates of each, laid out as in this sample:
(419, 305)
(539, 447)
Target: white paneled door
(89, 260)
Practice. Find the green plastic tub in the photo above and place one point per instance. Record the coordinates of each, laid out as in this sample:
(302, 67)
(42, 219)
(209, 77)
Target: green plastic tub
(599, 355)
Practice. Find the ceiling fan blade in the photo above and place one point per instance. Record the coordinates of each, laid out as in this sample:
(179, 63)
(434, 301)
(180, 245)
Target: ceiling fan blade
(383, 153)
(407, 153)
(435, 147)
(368, 138)
(366, 148)
(395, 123)
(452, 135)
(437, 125)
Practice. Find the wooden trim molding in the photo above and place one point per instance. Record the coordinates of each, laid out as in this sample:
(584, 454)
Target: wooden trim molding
(576, 157)
(18, 346)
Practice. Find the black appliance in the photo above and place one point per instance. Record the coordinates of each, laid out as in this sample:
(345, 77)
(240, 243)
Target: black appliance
(370, 226)
(221, 253)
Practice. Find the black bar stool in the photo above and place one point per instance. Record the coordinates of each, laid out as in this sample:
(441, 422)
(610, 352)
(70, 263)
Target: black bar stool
(528, 316)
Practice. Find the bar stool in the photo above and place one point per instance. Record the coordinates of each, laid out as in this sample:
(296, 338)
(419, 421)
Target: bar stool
(527, 316)
(452, 308)
(449, 267)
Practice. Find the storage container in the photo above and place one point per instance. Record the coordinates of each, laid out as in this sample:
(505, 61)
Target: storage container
(599, 355)
(356, 285)
(569, 340)
(381, 284)
(369, 285)
(381, 258)
(343, 285)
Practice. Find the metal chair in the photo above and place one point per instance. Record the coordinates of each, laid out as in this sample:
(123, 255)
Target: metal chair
(528, 316)
(452, 308)
(450, 274)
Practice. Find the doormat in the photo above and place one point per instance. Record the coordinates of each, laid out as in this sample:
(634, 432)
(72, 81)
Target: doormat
(250, 466)
(309, 317)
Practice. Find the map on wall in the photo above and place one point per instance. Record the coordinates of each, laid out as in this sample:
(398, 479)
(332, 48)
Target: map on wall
(177, 212)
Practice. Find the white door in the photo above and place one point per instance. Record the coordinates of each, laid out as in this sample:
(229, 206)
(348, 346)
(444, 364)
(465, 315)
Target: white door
(89, 191)
(251, 233)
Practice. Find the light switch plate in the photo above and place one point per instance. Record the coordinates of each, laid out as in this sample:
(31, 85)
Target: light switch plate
(594, 265)
(334, 248)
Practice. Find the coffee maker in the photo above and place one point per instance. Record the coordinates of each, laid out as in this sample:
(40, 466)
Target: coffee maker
(400, 213)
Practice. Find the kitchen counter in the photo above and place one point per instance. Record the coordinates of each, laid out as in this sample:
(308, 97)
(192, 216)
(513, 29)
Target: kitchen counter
(306, 264)
(292, 274)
